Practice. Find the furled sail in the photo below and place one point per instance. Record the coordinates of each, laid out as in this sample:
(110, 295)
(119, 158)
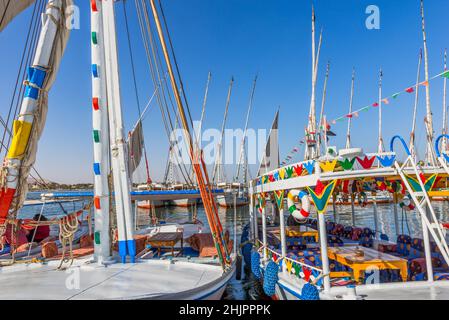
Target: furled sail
(31, 119)
(270, 160)
(9, 9)
(135, 147)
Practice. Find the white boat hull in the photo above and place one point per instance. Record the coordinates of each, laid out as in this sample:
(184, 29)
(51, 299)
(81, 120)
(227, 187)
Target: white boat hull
(227, 201)
(147, 204)
(184, 203)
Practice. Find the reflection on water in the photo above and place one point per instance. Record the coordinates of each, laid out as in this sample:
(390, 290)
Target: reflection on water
(247, 288)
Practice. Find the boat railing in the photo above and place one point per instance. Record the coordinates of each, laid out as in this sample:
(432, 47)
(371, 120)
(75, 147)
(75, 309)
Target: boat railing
(279, 257)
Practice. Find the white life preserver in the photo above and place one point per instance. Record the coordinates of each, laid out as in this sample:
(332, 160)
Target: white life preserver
(294, 195)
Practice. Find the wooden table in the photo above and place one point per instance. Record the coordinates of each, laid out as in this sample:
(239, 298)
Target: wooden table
(296, 232)
(372, 258)
(166, 239)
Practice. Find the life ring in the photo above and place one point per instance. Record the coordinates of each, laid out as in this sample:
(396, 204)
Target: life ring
(406, 204)
(304, 212)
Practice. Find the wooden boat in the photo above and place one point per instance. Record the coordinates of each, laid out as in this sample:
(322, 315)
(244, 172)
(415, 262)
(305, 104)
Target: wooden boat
(131, 270)
(322, 259)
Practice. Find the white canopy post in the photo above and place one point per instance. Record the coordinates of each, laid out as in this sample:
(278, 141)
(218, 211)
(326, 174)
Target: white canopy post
(264, 235)
(323, 245)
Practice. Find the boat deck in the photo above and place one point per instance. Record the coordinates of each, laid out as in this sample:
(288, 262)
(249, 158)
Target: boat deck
(422, 290)
(143, 280)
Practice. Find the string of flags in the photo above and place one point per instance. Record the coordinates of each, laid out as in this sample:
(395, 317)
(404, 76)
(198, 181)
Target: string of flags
(388, 100)
(292, 153)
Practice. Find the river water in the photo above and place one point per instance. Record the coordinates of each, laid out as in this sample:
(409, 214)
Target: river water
(247, 288)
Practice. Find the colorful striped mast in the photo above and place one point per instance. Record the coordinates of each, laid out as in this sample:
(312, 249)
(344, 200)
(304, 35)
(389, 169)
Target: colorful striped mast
(31, 118)
(348, 132)
(100, 124)
(122, 184)
(415, 108)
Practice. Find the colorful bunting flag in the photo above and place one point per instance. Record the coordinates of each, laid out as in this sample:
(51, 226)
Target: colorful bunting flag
(321, 199)
(279, 196)
(410, 90)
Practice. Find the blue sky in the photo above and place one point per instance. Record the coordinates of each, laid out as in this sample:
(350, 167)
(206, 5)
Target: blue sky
(241, 38)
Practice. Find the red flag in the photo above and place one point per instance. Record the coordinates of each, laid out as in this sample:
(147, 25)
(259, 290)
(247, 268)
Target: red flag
(410, 90)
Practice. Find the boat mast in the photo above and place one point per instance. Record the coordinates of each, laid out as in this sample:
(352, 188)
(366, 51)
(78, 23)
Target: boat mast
(100, 125)
(28, 125)
(444, 143)
(200, 128)
(323, 102)
(218, 170)
(311, 149)
(415, 108)
(242, 144)
(380, 146)
(348, 132)
(430, 159)
(122, 185)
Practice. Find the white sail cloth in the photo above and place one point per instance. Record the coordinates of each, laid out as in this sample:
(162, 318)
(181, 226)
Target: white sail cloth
(270, 160)
(40, 115)
(9, 9)
(135, 147)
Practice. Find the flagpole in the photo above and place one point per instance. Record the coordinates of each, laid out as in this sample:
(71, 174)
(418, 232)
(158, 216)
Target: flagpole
(415, 108)
(348, 132)
(444, 144)
(380, 147)
(429, 120)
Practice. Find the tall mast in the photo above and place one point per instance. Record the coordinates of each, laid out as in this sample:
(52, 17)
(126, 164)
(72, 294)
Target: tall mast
(429, 118)
(217, 172)
(323, 102)
(380, 147)
(242, 144)
(415, 108)
(311, 149)
(122, 184)
(444, 143)
(348, 132)
(29, 123)
(203, 109)
(101, 137)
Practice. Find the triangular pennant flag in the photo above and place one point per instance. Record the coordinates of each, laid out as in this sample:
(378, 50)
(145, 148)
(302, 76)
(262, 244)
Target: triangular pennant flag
(356, 114)
(279, 196)
(322, 200)
(386, 101)
(445, 74)
(410, 90)
(424, 83)
(396, 95)
(375, 104)
(428, 185)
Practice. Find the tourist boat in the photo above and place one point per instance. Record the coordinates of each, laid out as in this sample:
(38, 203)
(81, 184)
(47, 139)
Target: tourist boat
(137, 266)
(150, 204)
(319, 258)
(235, 194)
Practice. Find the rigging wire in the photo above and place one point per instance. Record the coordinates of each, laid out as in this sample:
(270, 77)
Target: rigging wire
(159, 82)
